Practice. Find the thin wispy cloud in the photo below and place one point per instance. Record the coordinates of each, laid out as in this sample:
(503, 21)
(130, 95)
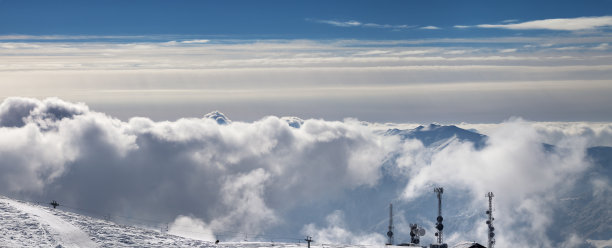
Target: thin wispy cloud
(510, 21)
(194, 41)
(559, 24)
(509, 50)
(353, 23)
(341, 23)
(602, 47)
(430, 27)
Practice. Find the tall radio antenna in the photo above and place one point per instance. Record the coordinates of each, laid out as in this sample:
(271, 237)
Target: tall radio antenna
(390, 232)
(439, 225)
(490, 220)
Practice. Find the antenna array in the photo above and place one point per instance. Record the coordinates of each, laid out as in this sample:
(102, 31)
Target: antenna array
(416, 232)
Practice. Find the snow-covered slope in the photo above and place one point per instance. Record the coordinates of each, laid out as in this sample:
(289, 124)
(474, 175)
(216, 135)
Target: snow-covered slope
(25, 224)
(54, 228)
(29, 225)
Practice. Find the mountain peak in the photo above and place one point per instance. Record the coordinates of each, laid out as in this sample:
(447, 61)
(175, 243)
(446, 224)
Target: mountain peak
(435, 133)
(293, 121)
(219, 117)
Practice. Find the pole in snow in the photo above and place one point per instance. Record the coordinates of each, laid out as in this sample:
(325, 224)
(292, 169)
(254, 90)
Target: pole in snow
(308, 239)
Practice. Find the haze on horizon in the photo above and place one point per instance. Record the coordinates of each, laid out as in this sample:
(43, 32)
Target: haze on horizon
(474, 61)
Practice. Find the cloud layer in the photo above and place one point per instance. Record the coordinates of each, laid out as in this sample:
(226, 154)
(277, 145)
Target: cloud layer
(235, 176)
(286, 177)
(563, 24)
(369, 80)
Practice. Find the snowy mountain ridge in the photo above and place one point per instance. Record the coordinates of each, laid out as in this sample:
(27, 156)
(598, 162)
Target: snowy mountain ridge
(29, 225)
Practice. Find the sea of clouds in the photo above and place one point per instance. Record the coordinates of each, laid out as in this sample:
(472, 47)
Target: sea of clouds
(211, 177)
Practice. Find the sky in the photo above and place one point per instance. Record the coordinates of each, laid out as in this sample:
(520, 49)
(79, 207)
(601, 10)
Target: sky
(389, 61)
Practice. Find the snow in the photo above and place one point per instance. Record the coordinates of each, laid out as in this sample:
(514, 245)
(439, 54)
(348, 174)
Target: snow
(62, 232)
(29, 225)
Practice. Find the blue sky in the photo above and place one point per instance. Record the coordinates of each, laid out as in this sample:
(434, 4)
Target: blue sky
(400, 61)
(281, 19)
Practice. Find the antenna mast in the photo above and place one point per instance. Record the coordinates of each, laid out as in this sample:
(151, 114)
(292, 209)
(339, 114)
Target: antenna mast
(490, 220)
(439, 225)
(390, 232)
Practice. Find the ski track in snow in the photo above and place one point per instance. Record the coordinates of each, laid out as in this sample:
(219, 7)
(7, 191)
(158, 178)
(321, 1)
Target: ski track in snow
(64, 233)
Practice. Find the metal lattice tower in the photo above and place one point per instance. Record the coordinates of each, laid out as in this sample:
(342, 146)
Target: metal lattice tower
(390, 232)
(439, 225)
(490, 221)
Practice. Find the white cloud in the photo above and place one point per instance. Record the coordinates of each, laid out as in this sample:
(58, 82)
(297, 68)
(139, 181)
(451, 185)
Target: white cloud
(372, 52)
(514, 166)
(456, 52)
(195, 41)
(462, 26)
(509, 50)
(234, 176)
(336, 232)
(12, 45)
(602, 47)
(601, 243)
(564, 24)
(341, 23)
(190, 227)
(430, 27)
(224, 180)
(569, 48)
(594, 133)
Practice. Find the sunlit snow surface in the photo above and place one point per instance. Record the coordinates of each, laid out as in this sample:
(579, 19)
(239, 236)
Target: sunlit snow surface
(30, 225)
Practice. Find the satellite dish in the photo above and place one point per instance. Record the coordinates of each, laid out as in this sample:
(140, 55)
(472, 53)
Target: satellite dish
(421, 232)
(440, 227)
(390, 234)
(492, 235)
(439, 219)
